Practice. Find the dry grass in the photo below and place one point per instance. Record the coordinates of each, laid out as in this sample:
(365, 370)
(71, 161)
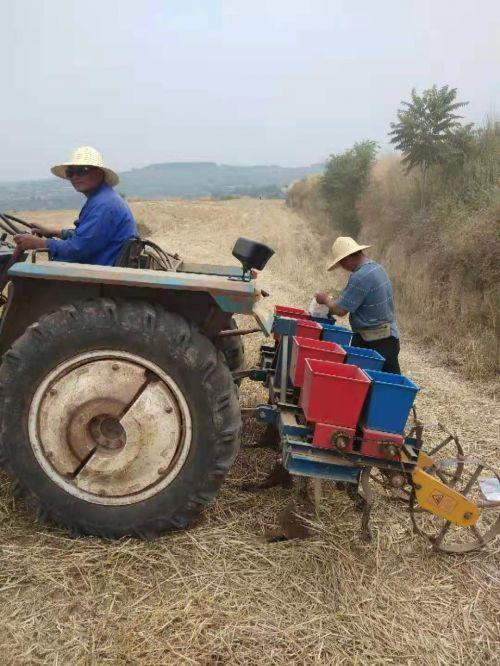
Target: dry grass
(305, 196)
(218, 594)
(445, 268)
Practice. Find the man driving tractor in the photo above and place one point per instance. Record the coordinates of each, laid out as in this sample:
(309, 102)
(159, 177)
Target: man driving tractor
(105, 222)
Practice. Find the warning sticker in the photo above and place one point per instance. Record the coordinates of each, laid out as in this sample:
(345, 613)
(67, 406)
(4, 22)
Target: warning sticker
(444, 502)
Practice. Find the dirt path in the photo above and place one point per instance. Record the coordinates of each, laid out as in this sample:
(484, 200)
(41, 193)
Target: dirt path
(217, 594)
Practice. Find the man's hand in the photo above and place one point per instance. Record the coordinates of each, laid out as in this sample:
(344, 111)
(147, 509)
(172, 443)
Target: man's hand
(28, 242)
(322, 298)
(46, 231)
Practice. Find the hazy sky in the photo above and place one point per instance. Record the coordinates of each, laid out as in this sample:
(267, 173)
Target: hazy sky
(234, 81)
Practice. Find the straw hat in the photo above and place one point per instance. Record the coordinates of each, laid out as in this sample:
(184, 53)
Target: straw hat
(342, 248)
(86, 156)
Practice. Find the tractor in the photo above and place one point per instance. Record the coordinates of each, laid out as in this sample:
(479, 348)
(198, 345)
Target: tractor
(119, 412)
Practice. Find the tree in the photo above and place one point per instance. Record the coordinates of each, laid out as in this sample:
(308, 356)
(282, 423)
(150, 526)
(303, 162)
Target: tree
(345, 178)
(425, 130)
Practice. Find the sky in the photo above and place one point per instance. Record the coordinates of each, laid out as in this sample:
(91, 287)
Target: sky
(231, 81)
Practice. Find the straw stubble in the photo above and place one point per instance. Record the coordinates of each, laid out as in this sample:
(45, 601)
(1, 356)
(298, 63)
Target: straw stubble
(218, 593)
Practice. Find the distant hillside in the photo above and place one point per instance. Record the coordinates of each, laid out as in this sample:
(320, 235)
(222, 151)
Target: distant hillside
(158, 181)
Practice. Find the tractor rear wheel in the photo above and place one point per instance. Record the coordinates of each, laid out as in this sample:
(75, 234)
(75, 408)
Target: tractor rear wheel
(117, 418)
(232, 348)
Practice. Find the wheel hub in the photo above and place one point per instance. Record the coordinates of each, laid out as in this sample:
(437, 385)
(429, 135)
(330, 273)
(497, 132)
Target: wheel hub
(108, 432)
(110, 427)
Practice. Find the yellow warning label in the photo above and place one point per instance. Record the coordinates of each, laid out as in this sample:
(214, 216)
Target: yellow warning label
(443, 501)
(435, 496)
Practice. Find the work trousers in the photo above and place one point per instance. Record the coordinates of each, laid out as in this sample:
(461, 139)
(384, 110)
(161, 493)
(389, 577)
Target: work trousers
(388, 347)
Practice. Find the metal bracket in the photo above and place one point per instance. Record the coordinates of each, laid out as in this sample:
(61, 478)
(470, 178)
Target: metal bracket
(266, 414)
(232, 332)
(37, 251)
(255, 374)
(284, 368)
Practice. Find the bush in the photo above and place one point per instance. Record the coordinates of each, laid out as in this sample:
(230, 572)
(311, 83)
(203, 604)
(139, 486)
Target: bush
(345, 178)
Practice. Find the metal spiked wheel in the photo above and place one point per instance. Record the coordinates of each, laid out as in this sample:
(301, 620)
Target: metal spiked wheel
(467, 476)
(448, 447)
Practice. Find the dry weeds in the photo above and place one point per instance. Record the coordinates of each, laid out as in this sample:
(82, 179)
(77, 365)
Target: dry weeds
(450, 261)
(217, 593)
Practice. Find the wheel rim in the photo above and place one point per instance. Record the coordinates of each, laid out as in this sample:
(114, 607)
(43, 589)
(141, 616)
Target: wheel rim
(110, 427)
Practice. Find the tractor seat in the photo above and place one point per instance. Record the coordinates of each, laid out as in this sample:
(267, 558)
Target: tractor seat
(131, 254)
(140, 253)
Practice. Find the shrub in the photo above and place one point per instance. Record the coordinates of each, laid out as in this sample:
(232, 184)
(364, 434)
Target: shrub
(345, 178)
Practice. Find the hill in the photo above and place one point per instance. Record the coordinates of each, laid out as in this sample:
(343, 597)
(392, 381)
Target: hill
(158, 181)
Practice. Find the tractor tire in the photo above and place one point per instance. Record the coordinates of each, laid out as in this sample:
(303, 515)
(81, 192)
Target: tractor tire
(117, 419)
(232, 348)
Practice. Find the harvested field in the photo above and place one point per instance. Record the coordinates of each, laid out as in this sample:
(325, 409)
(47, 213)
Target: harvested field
(217, 593)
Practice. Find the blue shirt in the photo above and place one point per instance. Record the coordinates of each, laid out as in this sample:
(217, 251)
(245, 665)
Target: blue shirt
(368, 298)
(105, 223)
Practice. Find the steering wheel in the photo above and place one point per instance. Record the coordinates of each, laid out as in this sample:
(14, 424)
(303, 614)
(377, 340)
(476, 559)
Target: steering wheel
(9, 224)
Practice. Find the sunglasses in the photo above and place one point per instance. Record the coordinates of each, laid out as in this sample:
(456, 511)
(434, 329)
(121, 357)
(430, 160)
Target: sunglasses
(78, 171)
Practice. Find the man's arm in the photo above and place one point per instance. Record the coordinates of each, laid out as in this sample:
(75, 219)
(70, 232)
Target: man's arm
(331, 304)
(90, 237)
(28, 242)
(350, 299)
(47, 231)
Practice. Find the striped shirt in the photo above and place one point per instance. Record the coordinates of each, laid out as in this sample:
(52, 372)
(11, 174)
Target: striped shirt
(368, 298)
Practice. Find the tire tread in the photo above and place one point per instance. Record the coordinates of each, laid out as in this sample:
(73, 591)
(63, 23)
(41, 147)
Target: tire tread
(154, 323)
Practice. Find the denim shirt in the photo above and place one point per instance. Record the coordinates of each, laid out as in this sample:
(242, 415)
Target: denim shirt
(368, 298)
(105, 223)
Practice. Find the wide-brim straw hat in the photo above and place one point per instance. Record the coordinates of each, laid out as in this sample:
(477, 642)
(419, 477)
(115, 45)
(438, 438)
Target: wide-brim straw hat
(86, 156)
(342, 248)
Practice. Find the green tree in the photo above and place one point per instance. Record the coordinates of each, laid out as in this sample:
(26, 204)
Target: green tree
(425, 130)
(346, 176)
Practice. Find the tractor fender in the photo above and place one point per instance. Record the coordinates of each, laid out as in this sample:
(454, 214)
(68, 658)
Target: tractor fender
(208, 301)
